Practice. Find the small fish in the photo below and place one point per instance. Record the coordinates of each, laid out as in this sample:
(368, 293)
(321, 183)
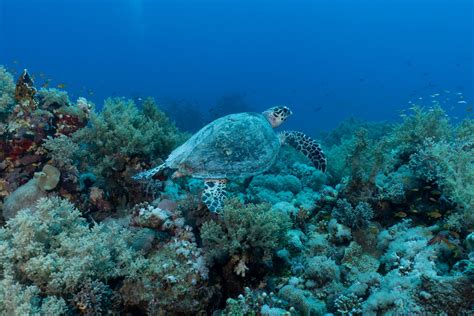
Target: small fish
(469, 109)
(401, 214)
(403, 115)
(434, 214)
(436, 192)
(433, 199)
(317, 108)
(415, 211)
(459, 93)
(427, 187)
(61, 86)
(415, 190)
(419, 199)
(15, 62)
(462, 102)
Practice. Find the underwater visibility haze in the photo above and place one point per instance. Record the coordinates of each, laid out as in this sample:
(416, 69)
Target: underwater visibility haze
(233, 157)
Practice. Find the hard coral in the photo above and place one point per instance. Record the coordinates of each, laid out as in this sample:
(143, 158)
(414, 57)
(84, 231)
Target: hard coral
(355, 217)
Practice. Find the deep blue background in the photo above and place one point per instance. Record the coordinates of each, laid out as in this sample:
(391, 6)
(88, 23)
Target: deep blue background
(328, 59)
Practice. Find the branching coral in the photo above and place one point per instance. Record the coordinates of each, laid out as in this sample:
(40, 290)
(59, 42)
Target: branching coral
(93, 298)
(246, 230)
(451, 165)
(256, 303)
(355, 217)
(348, 304)
(409, 136)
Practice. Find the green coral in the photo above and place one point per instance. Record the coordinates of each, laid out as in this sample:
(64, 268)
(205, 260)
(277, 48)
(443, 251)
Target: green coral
(53, 98)
(120, 140)
(55, 249)
(245, 229)
(52, 254)
(254, 302)
(7, 91)
(61, 149)
(410, 135)
(170, 280)
(451, 166)
(20, 299)
(121, 128)
(355, 217)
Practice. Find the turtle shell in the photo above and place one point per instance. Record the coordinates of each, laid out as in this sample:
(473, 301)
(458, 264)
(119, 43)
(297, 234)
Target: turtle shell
(236, 145)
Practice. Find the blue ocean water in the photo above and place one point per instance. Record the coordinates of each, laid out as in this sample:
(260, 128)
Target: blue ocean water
(328, 60)
(114, 209)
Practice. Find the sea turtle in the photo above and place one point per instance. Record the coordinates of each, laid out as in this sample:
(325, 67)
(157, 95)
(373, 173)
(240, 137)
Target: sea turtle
(235, 146)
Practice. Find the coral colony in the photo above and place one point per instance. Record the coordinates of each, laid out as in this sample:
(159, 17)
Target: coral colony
(387, 229)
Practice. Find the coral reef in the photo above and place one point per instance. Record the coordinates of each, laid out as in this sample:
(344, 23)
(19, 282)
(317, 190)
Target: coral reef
(122, 139)
(387, 230)
(247, 234)
(33, 118)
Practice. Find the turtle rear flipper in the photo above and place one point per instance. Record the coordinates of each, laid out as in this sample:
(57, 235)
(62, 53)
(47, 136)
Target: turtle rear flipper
(148, 174)
(306, 145)
(214, 194)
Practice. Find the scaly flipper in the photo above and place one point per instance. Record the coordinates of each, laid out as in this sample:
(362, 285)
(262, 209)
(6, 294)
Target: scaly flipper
(148, 174)
(306, 145)
(214, 194)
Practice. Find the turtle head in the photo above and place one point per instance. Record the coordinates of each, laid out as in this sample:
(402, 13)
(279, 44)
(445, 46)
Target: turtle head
(277, 115)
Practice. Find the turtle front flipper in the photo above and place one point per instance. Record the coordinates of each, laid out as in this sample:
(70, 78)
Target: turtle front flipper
(214, 194)
(148, 174)
(306, 145)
